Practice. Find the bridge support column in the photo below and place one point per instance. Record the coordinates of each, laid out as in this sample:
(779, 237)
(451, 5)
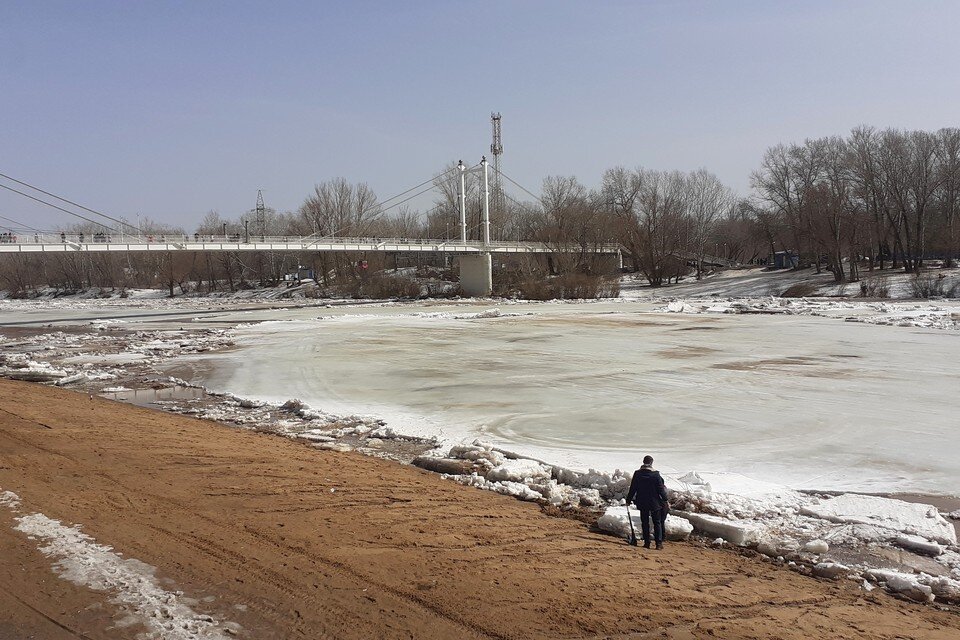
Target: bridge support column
(476, 274)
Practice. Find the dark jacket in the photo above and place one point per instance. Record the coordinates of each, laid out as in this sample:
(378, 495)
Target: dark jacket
(647, 490)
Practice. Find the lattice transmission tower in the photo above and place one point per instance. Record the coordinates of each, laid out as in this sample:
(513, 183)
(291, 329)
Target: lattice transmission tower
(497, 201)
(261, 217)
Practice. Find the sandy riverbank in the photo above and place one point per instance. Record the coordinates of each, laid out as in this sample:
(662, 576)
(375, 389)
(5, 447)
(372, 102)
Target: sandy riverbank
(287, 541)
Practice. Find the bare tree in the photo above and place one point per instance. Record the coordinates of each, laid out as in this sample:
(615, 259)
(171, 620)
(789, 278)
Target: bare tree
(620, 190)
(338, 208)
(708, 199)
(948, 195)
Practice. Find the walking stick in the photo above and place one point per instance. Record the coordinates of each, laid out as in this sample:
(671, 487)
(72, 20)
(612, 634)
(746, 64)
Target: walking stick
(633, 534)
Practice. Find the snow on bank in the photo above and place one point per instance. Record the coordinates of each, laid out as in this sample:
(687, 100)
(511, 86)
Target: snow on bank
(65, 359)
(761, 281)
(133, 585)
(918, 315)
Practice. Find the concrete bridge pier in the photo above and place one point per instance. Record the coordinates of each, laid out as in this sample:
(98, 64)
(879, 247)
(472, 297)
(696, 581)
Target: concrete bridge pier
(476, 274)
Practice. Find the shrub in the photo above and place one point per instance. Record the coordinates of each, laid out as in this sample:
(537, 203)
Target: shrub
(383, 286)
(926, 284)
(874, 287)
(581, 286)
(800, 290)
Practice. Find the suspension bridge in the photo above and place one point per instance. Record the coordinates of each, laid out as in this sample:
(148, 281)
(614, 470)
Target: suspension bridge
(474, 256)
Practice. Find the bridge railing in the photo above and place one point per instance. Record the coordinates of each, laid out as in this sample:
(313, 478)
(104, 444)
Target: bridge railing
(102, 241)
(234, 238)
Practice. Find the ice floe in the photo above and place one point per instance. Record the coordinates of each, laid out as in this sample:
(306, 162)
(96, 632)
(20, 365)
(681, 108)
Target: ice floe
(888, 513)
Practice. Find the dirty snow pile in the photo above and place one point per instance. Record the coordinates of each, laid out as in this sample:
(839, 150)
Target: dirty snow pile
(911, 315)
(166, 344)
(917, 315)
(18, 366)
(479, 315)
(297, 420)
(429, 315)
(132, 585)
(75, 358)
(848, 535)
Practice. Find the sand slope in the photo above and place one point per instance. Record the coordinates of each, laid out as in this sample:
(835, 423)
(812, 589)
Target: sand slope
(287, 541)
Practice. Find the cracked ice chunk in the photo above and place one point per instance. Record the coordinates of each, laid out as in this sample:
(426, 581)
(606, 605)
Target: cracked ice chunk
(518, 471)
(738, 532)
(907, 517)
(614, 520)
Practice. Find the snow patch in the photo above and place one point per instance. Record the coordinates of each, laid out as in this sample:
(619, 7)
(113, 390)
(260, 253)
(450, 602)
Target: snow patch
(81, 560)
(10, 500)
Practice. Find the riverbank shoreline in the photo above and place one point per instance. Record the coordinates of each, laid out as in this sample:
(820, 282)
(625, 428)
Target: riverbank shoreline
(344, 545)
(890, 544)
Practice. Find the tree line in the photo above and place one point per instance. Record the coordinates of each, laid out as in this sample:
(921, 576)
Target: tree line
(874, 199)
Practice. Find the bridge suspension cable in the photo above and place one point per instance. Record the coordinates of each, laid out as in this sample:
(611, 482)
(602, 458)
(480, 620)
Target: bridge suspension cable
(77, 215)
(521, 187)
(425, 182)
(24, 226)
(383, 209)
(61, 199)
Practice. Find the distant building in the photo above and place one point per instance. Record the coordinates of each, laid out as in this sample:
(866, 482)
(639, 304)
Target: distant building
(302, 273)
(785, 260)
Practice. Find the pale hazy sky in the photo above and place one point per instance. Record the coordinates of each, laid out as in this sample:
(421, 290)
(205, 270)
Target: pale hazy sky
(173, 109)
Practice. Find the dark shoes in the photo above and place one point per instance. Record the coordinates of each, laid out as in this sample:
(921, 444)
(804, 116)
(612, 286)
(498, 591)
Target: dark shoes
(646, 545)
(659, 546)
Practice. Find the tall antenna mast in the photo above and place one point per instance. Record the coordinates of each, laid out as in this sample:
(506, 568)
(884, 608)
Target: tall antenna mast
(261, 219)
(496, 149)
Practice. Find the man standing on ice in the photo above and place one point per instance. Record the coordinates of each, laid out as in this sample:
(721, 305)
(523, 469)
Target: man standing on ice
(649, 494)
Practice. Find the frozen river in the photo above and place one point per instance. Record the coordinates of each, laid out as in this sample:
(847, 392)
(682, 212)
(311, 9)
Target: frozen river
(806, 401)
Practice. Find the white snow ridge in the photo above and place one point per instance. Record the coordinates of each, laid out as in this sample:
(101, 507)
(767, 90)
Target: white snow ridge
(133, 585)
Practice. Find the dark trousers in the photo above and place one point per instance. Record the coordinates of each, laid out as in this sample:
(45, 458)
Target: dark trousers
(646, 515)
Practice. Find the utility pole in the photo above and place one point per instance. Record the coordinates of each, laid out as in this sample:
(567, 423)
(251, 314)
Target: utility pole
(463, 201)
(261, 214)
(486, 203)
(496, 149)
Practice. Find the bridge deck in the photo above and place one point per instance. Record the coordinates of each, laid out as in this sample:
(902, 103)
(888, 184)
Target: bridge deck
(100, 243)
